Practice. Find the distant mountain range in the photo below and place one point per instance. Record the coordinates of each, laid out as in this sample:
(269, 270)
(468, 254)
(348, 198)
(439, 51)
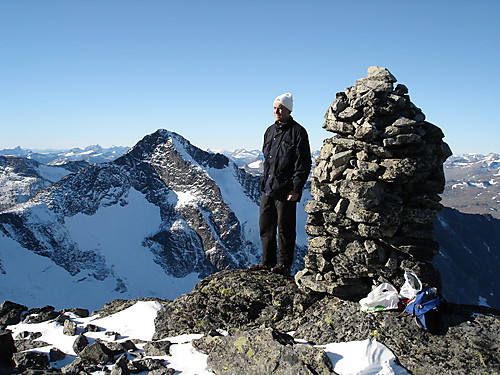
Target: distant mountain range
(472, 180)
(153, 220)
(473, 183)
(91, 154)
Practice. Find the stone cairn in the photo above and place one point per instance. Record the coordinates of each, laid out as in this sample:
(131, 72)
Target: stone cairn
(376, 190)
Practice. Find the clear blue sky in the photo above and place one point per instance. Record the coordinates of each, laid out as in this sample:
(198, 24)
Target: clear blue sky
(75, 73)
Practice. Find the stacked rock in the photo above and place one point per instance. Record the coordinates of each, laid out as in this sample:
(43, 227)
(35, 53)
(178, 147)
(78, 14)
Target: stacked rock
(376, 190)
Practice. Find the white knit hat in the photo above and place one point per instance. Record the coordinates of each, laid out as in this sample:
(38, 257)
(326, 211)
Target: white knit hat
(286, 100)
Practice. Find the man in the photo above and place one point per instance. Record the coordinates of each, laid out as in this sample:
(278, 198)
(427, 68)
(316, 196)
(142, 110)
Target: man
(287, 163)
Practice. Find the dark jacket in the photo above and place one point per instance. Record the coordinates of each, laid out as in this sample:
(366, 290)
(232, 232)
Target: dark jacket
(287, 159)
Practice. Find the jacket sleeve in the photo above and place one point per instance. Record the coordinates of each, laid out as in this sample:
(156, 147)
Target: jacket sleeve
(265, 165)
(302, 162)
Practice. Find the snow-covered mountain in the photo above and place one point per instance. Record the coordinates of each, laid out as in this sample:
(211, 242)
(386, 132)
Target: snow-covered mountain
(473, 183)
(166, 213)
(23, 172)
(149, 223)
(91, 154)
(21, 178)
(251, 161)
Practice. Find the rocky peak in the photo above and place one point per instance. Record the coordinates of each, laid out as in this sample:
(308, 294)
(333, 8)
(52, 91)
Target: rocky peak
(376, 191)
(21, 178)
(153, 143)
(192, 226)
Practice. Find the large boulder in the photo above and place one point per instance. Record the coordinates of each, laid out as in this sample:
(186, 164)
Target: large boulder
(7, 348)
(263, 352)
(10, 312)
(236, 298)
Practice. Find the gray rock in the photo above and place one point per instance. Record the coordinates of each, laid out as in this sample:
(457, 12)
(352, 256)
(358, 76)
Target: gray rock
(116, 348)
(10, 312)
(157, 348)
(69, 328)
(28, 335)
(80, 343)
(40, 314)
(340, 127)
(7, 348)
(381, 74)
(113, 335)
(34, 360)
(56, 355)
(28, 344)
(402, 140)
(121, 366)
(83, 313)
(81, 366)
(96, 352)
(233, 299)
(150, 364)
(364, 85)
(264, 352)
(91, 328)
(350, 114)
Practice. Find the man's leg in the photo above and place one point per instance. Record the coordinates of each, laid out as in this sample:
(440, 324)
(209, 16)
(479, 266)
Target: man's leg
(286, 231)
(267, 224)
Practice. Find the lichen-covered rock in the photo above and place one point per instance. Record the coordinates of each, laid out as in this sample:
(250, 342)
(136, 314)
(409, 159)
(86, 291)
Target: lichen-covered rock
(238, 298)
(152, 366)
(157, 348)
(466, 340)
(264, 352)
(33, 360)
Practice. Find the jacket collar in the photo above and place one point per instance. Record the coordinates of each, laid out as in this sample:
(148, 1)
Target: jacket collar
(284, 125)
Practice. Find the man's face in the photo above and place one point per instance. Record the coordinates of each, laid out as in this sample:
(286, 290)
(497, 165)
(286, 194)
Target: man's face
(281, 113)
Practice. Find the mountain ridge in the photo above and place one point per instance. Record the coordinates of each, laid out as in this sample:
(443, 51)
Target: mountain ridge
(186, 212)
(162, 177)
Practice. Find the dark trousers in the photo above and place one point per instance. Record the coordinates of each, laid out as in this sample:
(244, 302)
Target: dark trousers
(277, 216)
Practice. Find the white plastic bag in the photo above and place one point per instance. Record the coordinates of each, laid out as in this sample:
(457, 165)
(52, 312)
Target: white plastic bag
(412, 285)
(383, 297)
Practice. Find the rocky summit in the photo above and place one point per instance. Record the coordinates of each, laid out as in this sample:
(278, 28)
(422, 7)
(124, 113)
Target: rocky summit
(375, 190)
(263, 304)
(256, 322)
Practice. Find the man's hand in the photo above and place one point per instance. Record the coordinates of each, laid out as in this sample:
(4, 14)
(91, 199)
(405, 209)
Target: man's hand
(292, 197)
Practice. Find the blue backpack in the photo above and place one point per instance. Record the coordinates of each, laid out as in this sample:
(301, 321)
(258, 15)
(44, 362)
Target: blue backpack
(425, 302)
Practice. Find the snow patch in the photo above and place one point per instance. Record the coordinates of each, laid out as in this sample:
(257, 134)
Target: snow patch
(367, 357)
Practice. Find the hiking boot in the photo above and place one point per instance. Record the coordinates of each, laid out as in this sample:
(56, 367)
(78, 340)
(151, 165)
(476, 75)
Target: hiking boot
(281, 270)
(259, 267)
